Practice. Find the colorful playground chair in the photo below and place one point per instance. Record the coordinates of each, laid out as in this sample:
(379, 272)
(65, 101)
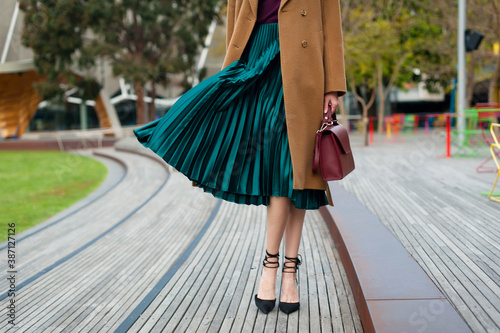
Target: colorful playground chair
(485, 119)
(469, 141)
(401, 122)
(398, 120)
(494, 155)
(394, 125)
(439, 121)
(409, 122)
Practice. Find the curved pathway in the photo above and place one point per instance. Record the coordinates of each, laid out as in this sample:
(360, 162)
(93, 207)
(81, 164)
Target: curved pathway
(148, 252)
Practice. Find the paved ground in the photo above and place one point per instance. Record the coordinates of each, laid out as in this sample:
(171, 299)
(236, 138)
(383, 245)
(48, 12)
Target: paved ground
(434, 207)
(148, 252)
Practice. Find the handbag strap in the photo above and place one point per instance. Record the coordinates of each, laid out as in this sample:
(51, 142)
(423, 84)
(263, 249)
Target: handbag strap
(316, 153)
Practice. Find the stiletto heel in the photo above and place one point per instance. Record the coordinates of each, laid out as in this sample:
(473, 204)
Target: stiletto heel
(266, 305)
(284, 306)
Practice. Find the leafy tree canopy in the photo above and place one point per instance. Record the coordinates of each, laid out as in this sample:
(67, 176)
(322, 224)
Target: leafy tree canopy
(144, 40)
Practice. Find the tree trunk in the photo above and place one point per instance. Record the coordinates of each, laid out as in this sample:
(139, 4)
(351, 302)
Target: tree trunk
(381, 101)
(141, 112)
(83, 115)
(365, 113)
(493, 91)
(365, 124)
(493, 94)
(366, 105)
(383, 93)
(152, 109)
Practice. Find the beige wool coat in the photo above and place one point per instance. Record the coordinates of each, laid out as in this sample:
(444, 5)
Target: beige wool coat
(312, 64)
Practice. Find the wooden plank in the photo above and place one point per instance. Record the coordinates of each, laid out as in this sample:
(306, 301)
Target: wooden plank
(175, 221)
(304, 312)
(190, 270)
(234, 319)
(194, 296)
(323, 302)
(225, 313)
(212, 296)
(333, 291)
(313, 296)
(245, 317)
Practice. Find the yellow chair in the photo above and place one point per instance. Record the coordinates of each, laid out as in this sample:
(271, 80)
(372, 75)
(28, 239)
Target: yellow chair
(495, 158)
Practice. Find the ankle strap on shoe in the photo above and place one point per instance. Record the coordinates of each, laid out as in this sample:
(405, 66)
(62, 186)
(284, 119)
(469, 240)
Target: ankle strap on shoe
(271, 264)
(292, 261)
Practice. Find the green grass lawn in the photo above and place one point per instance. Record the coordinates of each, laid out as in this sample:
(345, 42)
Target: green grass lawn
(34, 185)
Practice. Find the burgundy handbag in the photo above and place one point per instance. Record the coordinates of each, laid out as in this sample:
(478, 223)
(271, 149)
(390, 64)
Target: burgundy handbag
(333, 150)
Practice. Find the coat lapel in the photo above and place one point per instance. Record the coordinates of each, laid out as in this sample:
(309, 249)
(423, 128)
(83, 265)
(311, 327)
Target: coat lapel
(253, 6)
(283, 2)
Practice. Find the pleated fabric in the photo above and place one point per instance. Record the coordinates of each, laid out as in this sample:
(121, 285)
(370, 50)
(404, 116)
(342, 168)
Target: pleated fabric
(228, 133)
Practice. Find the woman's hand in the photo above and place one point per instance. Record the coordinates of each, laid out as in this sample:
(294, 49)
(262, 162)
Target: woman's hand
(331, 98)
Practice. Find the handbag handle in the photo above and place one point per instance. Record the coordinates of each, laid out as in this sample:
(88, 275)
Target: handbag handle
(329, 120)
(332, 116)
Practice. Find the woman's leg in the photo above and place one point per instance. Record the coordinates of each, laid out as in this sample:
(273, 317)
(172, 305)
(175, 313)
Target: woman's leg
(277, 216)
(293, 233)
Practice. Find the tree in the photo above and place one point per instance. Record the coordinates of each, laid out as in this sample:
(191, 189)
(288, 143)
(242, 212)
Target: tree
(145, 39)
(420, 52)
(359, 54)
(386, 41)
(54, 30)
(484, 16)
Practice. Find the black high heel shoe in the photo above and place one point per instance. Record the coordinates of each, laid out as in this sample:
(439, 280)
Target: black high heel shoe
(266, 305)
(284, 306)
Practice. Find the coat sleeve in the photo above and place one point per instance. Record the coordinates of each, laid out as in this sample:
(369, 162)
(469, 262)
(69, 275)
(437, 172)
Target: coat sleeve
(333, 57)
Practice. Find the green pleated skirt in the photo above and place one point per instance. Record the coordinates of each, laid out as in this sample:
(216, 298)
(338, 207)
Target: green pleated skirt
(228, 134)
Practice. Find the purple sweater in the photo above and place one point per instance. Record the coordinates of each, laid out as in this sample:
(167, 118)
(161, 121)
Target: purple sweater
(268, 11)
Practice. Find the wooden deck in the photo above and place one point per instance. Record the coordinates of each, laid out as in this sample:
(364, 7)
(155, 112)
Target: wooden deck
(434, 208)
(148, 252)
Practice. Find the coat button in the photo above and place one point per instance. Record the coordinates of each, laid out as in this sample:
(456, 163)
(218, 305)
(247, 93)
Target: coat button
(304, 13)
(304, 43)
